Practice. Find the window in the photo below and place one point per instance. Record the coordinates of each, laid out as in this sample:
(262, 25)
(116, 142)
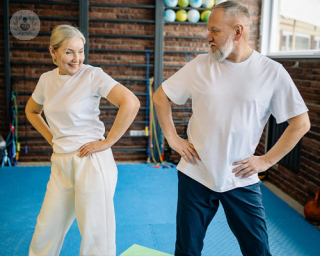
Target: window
(290, 28)
(289, 42)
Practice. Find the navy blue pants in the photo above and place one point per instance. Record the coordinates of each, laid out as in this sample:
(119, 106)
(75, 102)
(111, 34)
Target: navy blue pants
(244, 211)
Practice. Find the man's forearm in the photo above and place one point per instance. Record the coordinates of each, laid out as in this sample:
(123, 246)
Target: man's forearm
(164, 114)
(298, 127)
(163, 107)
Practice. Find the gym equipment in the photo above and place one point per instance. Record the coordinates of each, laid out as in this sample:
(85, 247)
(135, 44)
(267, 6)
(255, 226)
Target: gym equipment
(171, 3)
(15, 116)
(262, 175)
(3, 150)
(181, 15)
(147, 127)
(312, 209)
(9, 152)
(153, 131)
(150, 128)
(2, 143)
(142, 251)
(12, 146)
(193, 15)
(195, 3)
(205, 15)
(183, 3)
(169, 15)
(207, 3)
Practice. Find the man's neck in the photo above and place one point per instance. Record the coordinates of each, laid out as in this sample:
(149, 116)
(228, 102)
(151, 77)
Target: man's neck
(240, 55)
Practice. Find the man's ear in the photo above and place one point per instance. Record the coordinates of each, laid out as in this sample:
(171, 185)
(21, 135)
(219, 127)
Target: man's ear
(238, 31)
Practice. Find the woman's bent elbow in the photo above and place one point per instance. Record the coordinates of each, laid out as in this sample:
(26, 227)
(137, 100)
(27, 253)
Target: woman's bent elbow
(136, 104)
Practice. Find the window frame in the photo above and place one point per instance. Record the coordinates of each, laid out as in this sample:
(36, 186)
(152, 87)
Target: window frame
(287, 34)
(268, 8)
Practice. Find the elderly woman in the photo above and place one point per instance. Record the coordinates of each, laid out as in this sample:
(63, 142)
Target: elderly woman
(83, 173)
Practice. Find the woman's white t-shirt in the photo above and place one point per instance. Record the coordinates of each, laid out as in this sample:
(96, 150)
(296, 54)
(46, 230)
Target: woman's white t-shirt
(71, 106)
(231, 104)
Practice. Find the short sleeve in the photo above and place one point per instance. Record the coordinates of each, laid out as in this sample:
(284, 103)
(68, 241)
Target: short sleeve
(177, 86)
(38, 93)
(286, 101)
(101, 83)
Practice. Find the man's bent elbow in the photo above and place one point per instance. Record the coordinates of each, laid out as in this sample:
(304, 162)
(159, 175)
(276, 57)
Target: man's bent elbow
(156, 97)
(305, 125)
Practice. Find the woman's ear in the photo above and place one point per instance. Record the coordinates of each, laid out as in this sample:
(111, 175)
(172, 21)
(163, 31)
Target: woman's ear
(52, 52)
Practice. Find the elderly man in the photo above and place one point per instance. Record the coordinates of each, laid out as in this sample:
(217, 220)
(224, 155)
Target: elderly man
(234, 90)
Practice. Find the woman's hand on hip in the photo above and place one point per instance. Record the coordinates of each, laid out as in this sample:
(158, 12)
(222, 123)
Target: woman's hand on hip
(92, 147)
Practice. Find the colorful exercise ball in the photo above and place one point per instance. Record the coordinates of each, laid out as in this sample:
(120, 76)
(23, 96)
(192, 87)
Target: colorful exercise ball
(195, 3)
(193, 16)
(207, 3)
(171, 3)
(205, 15)
(169, 15)
(183, 3)
(181, 15)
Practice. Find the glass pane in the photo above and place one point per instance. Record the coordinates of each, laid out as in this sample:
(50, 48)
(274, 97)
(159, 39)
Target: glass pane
(284, 44)
(302, 43)
(296, 25)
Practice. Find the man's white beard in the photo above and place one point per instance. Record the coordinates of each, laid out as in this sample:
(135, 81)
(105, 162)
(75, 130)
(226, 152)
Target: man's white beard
(224, 51)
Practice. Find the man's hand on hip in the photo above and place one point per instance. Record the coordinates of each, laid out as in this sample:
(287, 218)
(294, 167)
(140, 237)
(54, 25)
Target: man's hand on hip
(250, 166)
(185, 149)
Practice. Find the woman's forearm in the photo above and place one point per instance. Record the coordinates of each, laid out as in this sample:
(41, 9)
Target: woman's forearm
(125, 116)
(40, 125)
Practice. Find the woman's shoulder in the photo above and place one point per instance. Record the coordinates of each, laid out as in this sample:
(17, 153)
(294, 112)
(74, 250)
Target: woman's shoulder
(50, 73)
(48, 77)
(89, 69)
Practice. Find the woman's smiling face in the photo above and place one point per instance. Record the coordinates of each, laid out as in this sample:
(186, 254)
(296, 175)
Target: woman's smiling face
(69, 56)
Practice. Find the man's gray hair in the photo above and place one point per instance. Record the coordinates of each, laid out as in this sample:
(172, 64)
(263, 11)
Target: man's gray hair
(233, 9)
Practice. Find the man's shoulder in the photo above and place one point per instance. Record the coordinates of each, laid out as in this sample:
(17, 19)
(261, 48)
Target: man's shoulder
(203, 57)
(200, 61)
(265, 60)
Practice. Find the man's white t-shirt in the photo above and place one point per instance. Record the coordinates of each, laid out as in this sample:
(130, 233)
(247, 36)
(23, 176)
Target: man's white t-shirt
(231, 103)
(71, 106)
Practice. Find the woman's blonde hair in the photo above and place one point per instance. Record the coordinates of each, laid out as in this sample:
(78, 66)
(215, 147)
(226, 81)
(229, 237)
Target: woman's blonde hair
(61, 33)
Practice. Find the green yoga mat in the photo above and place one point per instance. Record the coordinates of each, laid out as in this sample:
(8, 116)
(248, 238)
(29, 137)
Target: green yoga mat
(137, 250)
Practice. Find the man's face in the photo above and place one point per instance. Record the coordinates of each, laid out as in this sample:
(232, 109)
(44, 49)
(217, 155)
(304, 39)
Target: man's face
(220, 35)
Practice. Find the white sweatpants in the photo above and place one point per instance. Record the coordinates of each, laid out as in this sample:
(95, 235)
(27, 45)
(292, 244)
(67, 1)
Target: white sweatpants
(81, 188)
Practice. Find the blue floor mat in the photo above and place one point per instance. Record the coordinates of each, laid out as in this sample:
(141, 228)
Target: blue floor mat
(145, 205)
